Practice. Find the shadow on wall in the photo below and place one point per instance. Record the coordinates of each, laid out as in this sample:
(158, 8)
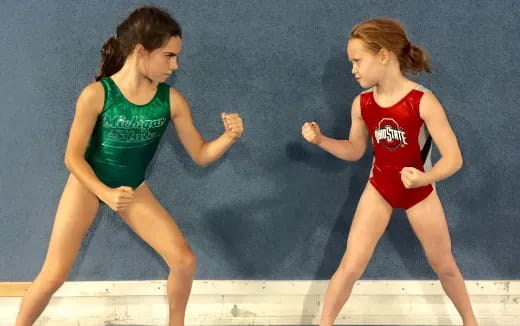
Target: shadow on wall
(340, 91)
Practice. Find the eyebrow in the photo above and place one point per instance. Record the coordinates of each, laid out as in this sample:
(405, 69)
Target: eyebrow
(171, 53)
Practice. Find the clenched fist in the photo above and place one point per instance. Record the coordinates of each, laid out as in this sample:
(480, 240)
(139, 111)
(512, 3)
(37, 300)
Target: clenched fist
(233, 125)
(119, 198)
(413, 178)
(311, 132)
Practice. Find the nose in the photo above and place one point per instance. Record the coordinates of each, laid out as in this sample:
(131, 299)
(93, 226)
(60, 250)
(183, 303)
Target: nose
(174, 65)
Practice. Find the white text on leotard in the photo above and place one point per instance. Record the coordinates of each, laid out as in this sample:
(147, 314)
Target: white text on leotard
(390, 134)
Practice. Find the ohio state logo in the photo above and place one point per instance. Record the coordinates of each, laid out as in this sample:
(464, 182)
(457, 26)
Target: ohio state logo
(389, 134)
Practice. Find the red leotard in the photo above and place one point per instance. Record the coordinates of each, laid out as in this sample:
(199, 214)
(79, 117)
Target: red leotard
(400, 139)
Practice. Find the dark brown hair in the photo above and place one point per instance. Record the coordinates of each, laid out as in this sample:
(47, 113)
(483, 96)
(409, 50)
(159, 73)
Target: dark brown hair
(149, 26)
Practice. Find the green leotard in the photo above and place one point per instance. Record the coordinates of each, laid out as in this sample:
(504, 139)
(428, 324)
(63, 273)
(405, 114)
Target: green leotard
(126, 136)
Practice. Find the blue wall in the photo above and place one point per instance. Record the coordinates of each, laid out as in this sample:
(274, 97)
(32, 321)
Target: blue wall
(274, 207)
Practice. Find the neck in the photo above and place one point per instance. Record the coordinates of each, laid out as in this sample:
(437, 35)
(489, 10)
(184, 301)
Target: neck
(129, 77)
(393, 82)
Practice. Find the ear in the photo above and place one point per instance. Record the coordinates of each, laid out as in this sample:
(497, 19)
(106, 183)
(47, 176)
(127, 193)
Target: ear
(139, 50)
(384, 55)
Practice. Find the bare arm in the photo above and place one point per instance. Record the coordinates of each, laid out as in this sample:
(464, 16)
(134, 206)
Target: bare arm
(88, 107)
(351, 149)
(442, 134)
(203, 153)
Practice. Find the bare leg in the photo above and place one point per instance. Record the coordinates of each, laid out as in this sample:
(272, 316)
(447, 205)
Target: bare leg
(429, 224)
(370, 221)
(76, 212)
(153, 224)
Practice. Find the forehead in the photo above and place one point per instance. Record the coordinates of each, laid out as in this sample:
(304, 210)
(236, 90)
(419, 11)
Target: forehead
(357, 47)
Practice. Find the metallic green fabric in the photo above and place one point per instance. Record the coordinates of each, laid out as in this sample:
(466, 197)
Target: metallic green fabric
(126, 136)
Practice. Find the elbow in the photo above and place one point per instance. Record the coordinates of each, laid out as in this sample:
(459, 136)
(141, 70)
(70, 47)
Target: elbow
(70, 160)
(455, 163)
(66, 161)
(200, 162)
(459, 162)
(351, 157)
(357, 155)
(354, 151)
(199, 157)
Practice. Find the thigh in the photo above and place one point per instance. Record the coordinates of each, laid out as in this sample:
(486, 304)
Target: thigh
(429, 224)
(150, 220)
(370, 221)
(76, 211)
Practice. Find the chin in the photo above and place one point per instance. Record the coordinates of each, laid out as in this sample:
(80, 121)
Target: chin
(160, 79)
(366, 85)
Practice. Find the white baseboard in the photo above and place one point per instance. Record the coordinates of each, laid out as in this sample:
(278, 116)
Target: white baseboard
(267, 303)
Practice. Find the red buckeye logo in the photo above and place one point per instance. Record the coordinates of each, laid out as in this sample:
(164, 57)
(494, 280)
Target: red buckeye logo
(389, 134)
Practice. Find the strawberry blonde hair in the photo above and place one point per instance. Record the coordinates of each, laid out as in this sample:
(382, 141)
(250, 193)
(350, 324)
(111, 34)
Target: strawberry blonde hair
(382, 33)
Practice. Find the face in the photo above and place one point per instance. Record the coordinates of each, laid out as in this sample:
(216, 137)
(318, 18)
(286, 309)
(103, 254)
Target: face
(160, 63)
(367, 67)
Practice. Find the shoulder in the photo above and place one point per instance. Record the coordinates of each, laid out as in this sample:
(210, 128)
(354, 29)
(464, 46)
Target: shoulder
(367, 91)
(178, 102)
(365, 95)
(176, 97)
(429, 104)
(93, 96)
(356, 102)
(362, 100)
(356, 107)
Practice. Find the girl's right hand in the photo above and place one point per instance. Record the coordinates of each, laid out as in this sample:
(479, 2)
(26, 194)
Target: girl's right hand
(118, 198)
(311, 132)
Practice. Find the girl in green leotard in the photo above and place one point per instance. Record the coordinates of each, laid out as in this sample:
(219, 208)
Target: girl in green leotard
(116, 129)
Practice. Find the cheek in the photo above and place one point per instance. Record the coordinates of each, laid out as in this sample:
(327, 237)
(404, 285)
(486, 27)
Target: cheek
(370, 70)
(364, 70)
(157, 62)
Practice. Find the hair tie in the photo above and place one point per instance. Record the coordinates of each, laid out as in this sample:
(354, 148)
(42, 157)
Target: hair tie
(407, 46)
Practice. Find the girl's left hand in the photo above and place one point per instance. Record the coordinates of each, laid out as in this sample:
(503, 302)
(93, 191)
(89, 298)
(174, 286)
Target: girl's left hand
(233, 125)
(413, 178)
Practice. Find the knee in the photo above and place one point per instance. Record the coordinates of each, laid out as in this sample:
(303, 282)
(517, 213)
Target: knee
(351, 272)
(184, 261)
(443, 265)
(50, 282)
